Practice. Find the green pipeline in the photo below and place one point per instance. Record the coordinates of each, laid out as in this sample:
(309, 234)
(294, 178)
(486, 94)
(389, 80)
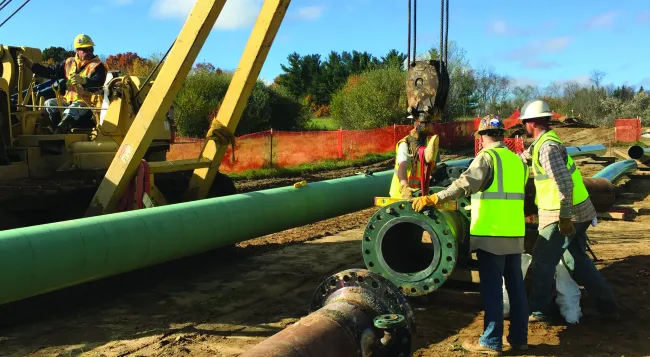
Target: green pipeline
(45, 258)
(40, 259)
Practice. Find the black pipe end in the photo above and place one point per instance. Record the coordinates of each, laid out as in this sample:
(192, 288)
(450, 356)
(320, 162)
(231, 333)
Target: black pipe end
(635, 152)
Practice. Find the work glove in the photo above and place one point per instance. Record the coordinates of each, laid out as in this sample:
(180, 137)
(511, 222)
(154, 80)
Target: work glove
(566, 226)
(406, 191)
(76, 79)
(421, 202)
(23, 61)
(431, 151)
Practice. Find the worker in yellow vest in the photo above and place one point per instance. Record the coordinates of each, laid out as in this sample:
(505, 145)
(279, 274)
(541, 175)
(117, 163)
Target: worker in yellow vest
(415, 159)
(496, 180)
(565, 212)
(84, 73)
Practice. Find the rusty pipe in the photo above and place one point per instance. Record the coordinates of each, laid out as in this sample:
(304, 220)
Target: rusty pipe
(355, 313)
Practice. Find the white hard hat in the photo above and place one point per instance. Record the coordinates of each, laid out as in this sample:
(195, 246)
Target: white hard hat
(535, 109)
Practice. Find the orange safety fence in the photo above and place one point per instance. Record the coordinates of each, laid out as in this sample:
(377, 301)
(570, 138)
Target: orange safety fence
(287, 148)
(627, 130)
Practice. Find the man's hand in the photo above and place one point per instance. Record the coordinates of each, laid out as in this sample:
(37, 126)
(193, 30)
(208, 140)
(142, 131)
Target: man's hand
(566, 226)
(23, 61)
(76, 79)
(406, 191)
(421, 202)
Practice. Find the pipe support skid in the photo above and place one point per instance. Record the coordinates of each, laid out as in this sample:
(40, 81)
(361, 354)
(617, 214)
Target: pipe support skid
(353, 313)
(416, 251)
(39, 259)
(638, 152)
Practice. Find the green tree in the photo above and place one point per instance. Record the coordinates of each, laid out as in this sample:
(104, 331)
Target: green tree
(56, 54)
(376, 99)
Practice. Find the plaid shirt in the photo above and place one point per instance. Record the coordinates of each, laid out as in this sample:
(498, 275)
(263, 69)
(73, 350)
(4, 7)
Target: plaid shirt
(553, 158)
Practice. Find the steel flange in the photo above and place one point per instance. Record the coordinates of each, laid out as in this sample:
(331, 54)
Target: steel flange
(367, 288)
(393, 247)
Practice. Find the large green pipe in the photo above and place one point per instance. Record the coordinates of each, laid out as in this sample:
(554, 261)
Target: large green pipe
(40, 259)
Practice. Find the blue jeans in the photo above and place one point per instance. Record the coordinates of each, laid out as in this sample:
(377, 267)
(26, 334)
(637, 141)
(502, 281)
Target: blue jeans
(550, 247)
(491, 269)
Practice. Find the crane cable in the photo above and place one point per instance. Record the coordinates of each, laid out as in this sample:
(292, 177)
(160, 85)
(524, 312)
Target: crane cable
(4, 4)
(14, 13)
(444, 31)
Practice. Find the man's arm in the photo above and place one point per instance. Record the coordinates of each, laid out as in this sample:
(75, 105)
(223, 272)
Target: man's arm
(402, 162)
(552, 157)
(477, 177)
(50, 72)
(97, 79)
(527, 155)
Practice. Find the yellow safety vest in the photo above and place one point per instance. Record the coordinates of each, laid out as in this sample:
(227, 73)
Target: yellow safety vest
(499, 210)
(547, 197)
(412, 173)
(85, 69)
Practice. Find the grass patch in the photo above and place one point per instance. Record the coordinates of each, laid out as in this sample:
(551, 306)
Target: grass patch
(325, 123)
(626, 144)
(315, 167)
(464, 118)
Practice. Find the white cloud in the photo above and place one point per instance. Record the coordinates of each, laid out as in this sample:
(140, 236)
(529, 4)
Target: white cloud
(524, 81)
(234, 15)
(498, 27)
(583, 80)
(643, 17)
(310, 12)
(528, 55)
(603, 20)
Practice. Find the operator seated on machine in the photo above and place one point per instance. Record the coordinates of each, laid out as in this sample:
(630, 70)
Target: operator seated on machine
(83, 73)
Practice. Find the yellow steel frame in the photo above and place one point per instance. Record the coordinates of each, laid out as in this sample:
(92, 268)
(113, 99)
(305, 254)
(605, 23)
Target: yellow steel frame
(164, 89)
(447, 206)
(252, 60)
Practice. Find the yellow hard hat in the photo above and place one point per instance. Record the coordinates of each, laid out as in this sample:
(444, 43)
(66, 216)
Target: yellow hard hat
(83, 41)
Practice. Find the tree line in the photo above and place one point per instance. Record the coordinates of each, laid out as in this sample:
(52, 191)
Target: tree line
(360, 91)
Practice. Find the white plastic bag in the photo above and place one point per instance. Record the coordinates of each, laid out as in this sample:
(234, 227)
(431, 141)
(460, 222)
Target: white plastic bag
(568, 295)
(525, 263)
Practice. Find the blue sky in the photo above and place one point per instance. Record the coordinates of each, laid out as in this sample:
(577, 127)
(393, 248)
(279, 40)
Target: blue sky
(534, 44)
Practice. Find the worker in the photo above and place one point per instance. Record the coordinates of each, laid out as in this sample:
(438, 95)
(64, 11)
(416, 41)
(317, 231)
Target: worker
(565, 212)
(407, 177)
(84, 72)
(496, 180)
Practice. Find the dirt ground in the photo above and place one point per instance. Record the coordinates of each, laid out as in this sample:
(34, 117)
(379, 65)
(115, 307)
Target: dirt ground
(223, 302)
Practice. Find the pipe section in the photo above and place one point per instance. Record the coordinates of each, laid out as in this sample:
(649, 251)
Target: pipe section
(586, 150)
(39, 259)
(617, 170)
(638, 152)
(354, 313)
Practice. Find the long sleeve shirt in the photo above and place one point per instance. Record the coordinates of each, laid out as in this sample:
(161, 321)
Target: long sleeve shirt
(478, 177)
(553, 159)
(57, 71)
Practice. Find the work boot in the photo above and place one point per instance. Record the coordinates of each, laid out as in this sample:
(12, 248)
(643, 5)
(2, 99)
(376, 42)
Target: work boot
(477, 347)
(65, 124)
(506, 342)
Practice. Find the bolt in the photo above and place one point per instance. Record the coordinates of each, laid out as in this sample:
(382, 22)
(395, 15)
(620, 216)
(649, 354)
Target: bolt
(389, 210)
(446, 231)
(426, 213)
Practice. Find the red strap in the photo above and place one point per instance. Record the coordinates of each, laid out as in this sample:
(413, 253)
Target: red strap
(425, 171)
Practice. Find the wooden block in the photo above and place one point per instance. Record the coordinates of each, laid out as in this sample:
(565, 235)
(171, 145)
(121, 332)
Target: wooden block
(613, 215)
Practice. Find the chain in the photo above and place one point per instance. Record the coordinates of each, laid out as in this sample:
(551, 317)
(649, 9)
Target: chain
(415, 27)
(446, 31)
(408, 43)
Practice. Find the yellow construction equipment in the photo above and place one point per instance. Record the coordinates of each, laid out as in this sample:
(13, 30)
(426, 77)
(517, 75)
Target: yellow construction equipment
(131, 135)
